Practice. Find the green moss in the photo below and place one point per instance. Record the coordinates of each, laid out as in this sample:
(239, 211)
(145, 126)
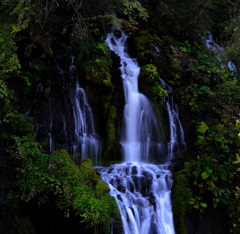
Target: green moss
(110, 130)
(65, 153)
(139, 43)
(181, 194)
(108, 88)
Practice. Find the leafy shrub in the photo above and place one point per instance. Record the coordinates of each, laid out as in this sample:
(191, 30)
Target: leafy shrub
(76, 187)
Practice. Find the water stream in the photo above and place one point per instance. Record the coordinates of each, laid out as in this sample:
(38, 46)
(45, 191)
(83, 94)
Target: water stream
(212, 46)
(142, 191)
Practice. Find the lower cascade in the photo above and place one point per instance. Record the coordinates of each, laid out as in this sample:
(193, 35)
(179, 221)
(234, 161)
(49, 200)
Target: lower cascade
(143, 195)
(142, 191)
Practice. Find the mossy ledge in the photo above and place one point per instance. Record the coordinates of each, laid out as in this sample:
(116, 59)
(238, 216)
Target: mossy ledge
(181, 194)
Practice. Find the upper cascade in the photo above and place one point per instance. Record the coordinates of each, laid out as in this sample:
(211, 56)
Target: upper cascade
(212, 45)
(141, 135)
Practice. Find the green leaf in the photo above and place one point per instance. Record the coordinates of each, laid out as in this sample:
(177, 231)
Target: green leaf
(205, 175)
(203, 205)
(202, 128)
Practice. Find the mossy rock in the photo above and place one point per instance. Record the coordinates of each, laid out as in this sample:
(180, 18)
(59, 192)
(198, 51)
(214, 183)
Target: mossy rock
(65, 153)
(145, 42)
(181, 194)
(86, 163)
(139, 43)
(101, 187)
(143, 58)
(108, 87)
(111, 131)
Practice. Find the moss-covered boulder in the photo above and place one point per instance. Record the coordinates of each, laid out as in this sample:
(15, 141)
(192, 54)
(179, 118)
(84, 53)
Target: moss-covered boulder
(146, 47)
(65, 153)
(181, 194)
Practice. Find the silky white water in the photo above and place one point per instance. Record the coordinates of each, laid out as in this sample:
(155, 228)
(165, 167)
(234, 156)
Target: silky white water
(142, 191)
(141, 135)
(86, 141)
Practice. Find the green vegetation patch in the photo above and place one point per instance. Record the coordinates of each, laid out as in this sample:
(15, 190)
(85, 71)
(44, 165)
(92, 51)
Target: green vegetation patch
(76, 187)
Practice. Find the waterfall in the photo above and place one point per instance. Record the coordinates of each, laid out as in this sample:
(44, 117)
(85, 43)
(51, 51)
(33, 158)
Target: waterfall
(141, 132)
(83, 141)
(174, 122)
(212, 45)
(142, 191)
(86, 141)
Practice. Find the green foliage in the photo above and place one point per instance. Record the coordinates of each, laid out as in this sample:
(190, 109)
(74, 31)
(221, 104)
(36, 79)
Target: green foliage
(213, 175)
(111, 132)
(104, 47)
(16, 16)
(18, 123)
(133, 9)
(202, 128)
(150, 71)
(158, 94)
(76, 187)
(10, 195)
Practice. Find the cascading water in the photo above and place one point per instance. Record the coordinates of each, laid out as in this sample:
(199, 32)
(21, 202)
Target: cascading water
(174, 122)
(86, 141)
(212, 45)
(141, 134)
(142, 191)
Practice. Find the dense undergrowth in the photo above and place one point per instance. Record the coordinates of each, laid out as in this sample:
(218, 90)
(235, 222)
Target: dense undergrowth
(76, 187)
(166, 45)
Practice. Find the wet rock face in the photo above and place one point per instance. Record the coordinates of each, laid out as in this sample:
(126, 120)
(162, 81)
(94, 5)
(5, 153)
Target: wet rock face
(117, 33)
(134, 170)
(121, 188)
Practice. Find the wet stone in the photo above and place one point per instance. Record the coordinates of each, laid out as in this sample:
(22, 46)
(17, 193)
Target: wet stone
(110, 170)
(134, 170)
(157, 176)
(153, 229)
(145, 194)
(119, 198)
(117, 33)
(127, 171)
(147, 174)
(131, 186)
(121, 188)
(113, 41)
